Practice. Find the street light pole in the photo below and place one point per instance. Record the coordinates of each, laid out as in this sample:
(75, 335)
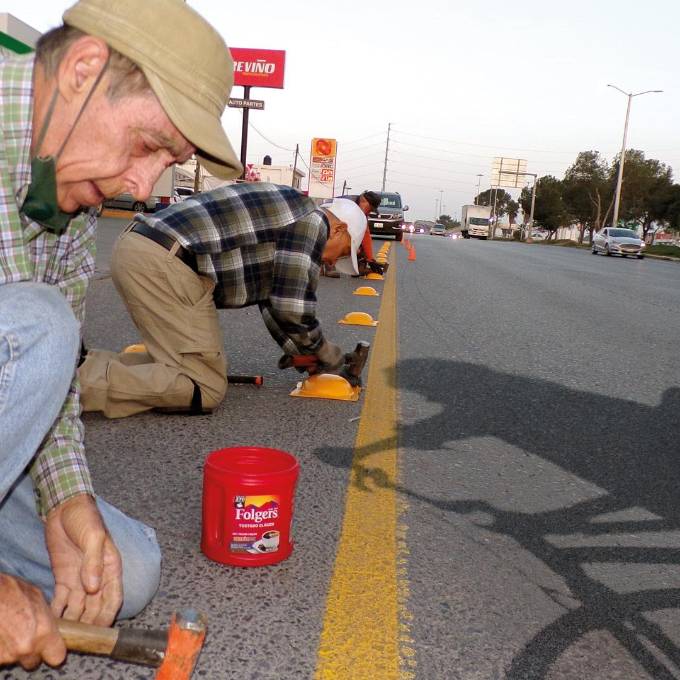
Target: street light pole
(479, 181)
(619, 179)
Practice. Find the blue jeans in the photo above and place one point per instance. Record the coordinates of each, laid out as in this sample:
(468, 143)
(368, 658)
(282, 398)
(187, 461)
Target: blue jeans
(39, 340)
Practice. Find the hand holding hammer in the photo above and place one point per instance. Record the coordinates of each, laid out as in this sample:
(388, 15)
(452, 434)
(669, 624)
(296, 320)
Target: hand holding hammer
(175, 651)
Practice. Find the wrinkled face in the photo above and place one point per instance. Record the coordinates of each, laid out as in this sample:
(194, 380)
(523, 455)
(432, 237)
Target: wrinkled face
(339, 244)
(116, 147)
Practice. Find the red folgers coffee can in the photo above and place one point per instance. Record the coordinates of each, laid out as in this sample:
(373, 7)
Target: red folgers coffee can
(248, 499)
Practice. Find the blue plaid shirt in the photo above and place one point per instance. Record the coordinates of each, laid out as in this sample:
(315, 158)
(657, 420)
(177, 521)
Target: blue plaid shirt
(262, 244)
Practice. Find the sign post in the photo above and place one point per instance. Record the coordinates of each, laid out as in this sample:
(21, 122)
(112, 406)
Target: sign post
(322, 167)
(254, 68)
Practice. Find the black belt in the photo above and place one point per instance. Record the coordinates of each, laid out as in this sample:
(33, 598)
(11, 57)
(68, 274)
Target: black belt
(167, 242)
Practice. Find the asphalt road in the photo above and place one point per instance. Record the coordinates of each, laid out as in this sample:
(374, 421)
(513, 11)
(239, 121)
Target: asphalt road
(537, 473)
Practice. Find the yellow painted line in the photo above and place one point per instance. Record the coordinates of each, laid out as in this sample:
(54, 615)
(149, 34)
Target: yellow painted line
(366, 630)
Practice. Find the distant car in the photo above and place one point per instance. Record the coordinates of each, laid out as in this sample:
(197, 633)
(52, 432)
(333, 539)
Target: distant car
(617, 241)
(129, 202)
(388, 220)
(438, 230)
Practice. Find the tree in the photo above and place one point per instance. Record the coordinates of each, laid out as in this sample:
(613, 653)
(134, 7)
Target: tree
(645, 189)
(586, 186)
(446, 220)
(512, 210)
(550, 211)
(501, 197)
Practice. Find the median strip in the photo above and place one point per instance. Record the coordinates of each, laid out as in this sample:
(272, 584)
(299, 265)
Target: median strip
(366, 632)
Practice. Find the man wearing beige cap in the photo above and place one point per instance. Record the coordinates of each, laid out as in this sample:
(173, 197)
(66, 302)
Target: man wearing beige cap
(123, 90)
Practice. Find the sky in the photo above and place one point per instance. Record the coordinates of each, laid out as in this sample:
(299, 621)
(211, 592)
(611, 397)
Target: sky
(460, 82)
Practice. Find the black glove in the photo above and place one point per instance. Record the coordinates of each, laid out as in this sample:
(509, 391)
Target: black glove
(377, 268)
(331, 358)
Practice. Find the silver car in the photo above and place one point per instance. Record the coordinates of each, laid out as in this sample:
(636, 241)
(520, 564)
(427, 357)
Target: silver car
(129, 202)
(616, 241)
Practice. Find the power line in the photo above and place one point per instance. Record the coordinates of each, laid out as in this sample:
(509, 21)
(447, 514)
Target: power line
(486, 146)
(361, 139)
(435, 179)
(453, 153)
(441, 160)
(453, 172)
(278, 146)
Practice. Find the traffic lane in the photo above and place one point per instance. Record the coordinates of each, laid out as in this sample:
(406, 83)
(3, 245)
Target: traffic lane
(263, 622)
(543, 540)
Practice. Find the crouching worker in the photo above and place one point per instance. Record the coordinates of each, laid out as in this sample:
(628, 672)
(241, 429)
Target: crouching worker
(86, 117)
(240, 245)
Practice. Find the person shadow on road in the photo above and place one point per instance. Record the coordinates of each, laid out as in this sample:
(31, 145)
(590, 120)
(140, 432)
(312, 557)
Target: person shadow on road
(629, 450)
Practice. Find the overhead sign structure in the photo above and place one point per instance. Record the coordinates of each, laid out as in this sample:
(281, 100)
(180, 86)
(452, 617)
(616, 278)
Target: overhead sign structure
(258, 68)
(246, 103)
(322, 167)
(508, 172)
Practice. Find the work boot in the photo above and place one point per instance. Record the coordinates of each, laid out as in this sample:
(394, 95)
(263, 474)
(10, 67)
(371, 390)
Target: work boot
(330, 271)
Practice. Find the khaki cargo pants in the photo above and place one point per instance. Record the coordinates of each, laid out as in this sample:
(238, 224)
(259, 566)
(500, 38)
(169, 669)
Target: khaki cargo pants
(175, 314)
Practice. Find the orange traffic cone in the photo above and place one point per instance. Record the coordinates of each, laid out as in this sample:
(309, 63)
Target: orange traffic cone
(412, 254)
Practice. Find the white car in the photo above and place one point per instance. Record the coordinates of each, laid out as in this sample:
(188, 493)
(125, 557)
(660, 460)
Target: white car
(617, 241)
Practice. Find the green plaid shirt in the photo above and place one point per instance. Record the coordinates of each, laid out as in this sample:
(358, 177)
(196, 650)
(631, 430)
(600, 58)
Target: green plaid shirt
(30, 253)
(262, 244)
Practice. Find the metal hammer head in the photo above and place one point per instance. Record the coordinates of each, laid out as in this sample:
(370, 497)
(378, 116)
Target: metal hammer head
(185, 641)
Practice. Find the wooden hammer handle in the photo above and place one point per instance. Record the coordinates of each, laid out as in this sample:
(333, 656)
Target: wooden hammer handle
(125, 644)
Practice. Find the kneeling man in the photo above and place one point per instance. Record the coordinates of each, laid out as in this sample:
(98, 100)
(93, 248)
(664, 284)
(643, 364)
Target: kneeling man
(239, 245)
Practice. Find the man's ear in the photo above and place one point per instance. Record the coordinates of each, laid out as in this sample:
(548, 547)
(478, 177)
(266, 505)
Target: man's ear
(80, 66)
(339, 227)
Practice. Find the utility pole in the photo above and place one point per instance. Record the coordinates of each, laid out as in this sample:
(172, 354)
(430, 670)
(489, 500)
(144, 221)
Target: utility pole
(619, 179)
(479, 181)
(197, 177)
(244, 131)
(387, 148)
(297, 150)
(533, 203)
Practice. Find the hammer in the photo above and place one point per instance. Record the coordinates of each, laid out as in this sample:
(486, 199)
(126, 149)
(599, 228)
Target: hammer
(174, 651)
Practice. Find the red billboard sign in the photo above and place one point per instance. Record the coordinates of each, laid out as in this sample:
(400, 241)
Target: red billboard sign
(258, 68)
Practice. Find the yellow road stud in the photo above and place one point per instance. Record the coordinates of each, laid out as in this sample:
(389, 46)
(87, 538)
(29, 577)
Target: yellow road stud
(135, 349)
(326, 386)
(358, 319)
(374, 276)
(366, 290)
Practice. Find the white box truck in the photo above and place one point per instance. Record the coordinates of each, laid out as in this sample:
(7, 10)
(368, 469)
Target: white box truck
(475, 221)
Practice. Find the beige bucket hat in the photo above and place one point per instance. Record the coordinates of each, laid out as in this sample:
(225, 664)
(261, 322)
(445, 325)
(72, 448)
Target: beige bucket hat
(185, 60)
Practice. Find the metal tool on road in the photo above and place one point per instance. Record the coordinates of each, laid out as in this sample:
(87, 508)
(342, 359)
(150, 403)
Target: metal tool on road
(174, 651)
(245, 379)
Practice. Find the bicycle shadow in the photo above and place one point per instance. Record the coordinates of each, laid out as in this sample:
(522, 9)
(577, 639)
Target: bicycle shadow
(628, 449)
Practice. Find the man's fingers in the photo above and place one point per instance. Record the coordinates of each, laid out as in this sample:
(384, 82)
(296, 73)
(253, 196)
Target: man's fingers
(75, 605)
(92, 609)
(30, 661)
(59, 599)
(111, 603)
(54, 651)
(93, 562)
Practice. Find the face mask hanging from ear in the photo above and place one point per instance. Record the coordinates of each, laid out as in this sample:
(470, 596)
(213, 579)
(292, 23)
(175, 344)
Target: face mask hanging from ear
(41, 203)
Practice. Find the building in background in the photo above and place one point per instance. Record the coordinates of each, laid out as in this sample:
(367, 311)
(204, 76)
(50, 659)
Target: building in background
(16, 37)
